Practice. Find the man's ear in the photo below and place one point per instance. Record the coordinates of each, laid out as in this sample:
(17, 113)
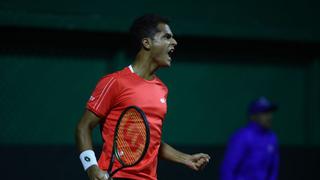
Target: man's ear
(146, 43)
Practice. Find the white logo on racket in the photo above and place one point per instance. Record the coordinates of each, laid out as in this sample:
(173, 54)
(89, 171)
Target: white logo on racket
(162, 100)
(121, 153)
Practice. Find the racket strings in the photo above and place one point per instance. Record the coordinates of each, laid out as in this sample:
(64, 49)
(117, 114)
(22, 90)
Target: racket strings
(123, 147)
(130, 149)
(131, 137)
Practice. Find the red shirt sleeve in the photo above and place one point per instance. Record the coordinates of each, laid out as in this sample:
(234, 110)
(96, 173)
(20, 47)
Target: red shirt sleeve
(103, 96)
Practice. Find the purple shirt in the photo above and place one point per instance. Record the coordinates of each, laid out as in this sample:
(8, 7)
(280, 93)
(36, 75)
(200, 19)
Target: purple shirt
(252, 154)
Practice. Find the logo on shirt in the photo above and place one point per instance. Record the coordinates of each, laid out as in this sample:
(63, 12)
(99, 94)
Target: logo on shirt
(270, 148)
(163, 100)
(92, 98)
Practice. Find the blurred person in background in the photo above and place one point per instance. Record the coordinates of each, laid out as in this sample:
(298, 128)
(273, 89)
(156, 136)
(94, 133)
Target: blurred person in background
(252, 152)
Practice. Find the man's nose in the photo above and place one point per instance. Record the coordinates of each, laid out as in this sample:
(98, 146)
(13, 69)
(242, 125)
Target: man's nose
(174, 42)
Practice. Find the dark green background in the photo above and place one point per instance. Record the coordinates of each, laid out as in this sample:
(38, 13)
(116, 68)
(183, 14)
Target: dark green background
(42, 98)
(296, 19)
(229, 52)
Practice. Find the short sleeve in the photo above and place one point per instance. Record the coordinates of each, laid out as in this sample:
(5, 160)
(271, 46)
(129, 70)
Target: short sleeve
(103, 96)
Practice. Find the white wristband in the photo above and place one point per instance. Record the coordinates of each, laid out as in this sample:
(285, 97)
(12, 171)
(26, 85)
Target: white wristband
(88, 159)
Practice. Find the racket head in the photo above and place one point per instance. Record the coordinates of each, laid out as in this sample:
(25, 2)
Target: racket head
(132, 137)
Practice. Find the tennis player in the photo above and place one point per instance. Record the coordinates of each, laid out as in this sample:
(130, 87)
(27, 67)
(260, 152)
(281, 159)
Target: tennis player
(136, 85)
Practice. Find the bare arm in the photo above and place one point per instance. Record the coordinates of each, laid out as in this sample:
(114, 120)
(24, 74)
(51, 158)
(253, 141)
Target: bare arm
(84, 130)
(84, 141)
(194, 161)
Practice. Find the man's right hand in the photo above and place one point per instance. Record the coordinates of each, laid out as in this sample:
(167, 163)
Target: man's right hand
(95, 173)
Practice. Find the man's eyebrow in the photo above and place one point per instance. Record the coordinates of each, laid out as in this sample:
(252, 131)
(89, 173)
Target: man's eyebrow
(168, 34)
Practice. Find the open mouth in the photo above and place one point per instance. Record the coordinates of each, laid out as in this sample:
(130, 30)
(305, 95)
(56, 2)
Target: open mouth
(170, 53)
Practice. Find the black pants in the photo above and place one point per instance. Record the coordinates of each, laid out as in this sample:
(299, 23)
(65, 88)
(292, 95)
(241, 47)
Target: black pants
(120, 179)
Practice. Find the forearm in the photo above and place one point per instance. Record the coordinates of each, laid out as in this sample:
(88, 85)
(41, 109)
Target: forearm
(84, 144)
(83, 138)
(84, 131)
(169, 153)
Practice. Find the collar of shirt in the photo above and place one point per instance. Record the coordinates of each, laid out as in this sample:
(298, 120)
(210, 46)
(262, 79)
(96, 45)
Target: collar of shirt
(257, 127)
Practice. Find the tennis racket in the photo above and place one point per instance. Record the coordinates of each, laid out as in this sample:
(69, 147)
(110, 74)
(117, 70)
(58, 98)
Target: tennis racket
(131, 139)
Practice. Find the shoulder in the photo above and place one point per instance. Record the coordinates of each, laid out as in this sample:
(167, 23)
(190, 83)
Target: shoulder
(115, 76)
(161, 83)
(111, 80)
(243, 134)
(107, 79)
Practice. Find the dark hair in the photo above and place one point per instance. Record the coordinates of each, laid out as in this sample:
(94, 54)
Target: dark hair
(144, 26)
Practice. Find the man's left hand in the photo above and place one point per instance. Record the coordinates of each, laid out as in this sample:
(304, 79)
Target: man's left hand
(197, 161)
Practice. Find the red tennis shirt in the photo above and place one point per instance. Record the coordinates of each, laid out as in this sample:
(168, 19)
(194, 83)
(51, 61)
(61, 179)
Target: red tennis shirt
(115, 92)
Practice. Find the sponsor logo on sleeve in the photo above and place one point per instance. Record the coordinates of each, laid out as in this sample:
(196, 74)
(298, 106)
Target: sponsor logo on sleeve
(92, 98)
